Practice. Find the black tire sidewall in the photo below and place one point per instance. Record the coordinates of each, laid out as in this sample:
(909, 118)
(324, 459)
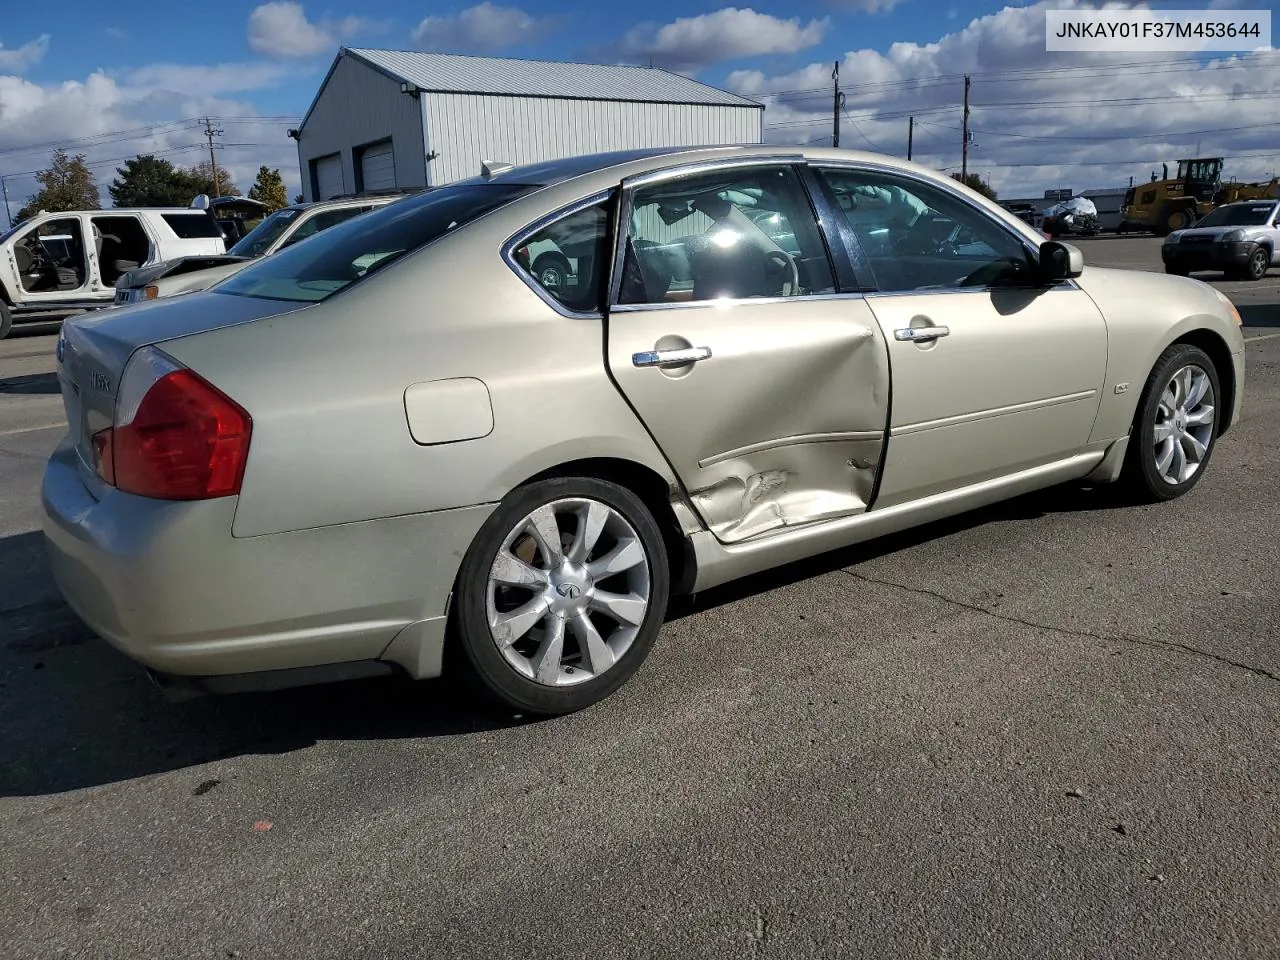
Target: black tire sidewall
(471, 626)
(1143, 454)
(1261, 254)
(6, 320)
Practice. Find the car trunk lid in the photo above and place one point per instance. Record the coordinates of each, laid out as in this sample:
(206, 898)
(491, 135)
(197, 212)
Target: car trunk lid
(93, 349)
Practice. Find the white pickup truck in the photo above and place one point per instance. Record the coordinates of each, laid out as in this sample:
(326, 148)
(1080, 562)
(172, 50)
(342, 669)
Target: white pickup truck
(55, 264)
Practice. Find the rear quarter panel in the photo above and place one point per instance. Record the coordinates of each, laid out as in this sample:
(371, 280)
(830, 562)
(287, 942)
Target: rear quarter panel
(326, 389)
(1145, 313)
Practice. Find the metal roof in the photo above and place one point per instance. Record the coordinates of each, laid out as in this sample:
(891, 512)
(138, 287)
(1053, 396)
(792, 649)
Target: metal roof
(451, 73)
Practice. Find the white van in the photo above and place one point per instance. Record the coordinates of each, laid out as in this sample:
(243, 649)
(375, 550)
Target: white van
(58, 263)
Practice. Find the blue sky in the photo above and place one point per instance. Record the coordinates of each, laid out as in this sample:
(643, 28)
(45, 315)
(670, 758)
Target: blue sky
(113, 80)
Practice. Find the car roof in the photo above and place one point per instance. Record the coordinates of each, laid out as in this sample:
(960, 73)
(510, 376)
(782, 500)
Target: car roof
(554, 172)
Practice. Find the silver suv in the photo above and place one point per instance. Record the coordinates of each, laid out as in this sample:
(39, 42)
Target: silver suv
(281, 229)
(1241, 239)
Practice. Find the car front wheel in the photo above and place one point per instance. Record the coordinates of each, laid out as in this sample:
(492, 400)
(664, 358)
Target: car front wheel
(1176, 426)
(1256, 267)
(562, 594)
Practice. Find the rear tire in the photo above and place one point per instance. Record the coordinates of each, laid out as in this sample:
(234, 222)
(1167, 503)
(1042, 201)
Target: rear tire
(1176, 425)
(6, 320)
(550, 628)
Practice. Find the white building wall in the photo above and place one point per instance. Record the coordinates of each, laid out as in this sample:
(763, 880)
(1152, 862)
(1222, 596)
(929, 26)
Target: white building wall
(465, 129)
(358, 106)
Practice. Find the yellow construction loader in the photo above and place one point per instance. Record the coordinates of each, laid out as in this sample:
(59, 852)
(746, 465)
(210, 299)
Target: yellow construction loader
(1172, 203)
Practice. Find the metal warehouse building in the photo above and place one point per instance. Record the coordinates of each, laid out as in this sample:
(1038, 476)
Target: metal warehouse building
(388, 118)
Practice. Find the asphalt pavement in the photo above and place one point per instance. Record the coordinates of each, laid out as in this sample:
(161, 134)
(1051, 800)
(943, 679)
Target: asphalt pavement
(1044, 730)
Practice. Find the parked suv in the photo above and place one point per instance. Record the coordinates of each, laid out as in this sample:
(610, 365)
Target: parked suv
(281, 229)
(59, 263)
(1241, 239)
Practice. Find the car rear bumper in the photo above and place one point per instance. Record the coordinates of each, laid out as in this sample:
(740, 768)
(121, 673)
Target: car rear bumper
(166, 583)
(1210, 256)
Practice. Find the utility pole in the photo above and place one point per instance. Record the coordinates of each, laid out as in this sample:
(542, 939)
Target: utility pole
(8, 217)
(911, 130)
(835, 106)
(210, 133)
(964, 156)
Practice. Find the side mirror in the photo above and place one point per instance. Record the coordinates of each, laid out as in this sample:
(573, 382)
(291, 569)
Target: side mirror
(1060, 261)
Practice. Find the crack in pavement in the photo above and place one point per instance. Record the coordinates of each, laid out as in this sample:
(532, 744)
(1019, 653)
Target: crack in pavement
(1083, 634)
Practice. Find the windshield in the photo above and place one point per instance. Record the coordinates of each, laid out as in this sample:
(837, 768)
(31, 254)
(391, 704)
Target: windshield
(336, 258)
(1248, 215)
(256, 241)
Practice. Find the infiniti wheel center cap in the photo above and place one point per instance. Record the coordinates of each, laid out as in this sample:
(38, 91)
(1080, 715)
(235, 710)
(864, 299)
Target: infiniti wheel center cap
(570, 589)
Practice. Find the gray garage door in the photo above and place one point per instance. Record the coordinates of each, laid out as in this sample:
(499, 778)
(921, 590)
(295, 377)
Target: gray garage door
(329, 177)
(377, 167)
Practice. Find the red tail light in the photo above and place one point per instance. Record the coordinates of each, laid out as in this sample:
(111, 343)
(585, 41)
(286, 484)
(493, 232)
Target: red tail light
(185, 440)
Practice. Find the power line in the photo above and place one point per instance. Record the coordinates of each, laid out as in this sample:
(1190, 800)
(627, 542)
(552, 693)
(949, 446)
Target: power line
(1110, 163)
(116, 136)
(1023, 75)
(1109, 139)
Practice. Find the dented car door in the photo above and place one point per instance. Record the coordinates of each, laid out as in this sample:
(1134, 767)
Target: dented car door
(766, 389)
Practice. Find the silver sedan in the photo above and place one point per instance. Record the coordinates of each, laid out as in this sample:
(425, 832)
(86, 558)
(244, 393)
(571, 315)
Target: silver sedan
(399, 445)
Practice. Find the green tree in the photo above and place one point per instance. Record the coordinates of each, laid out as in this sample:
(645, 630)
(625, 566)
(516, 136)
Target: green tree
(67, 184)
(268, 188)
(146, 181)
(203, 171)
(975, 182)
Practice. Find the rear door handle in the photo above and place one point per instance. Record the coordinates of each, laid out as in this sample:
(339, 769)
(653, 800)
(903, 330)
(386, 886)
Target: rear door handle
(663, 358)
(921, 334)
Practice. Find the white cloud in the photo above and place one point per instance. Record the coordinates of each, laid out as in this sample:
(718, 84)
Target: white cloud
(1034, 129)
(208, 79)
(27, 55)
(108, 120)
(481, 29)
(691, 43)
(281, 29)
(867, 6)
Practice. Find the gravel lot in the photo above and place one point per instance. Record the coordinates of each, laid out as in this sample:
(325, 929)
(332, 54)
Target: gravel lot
(1044, 730)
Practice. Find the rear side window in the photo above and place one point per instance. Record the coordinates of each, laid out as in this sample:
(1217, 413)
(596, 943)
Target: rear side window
(193, 226)
(342, 255)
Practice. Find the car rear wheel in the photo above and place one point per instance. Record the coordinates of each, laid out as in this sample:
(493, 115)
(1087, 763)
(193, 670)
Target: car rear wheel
(6, 320)
(562, 594)
(1176, 426)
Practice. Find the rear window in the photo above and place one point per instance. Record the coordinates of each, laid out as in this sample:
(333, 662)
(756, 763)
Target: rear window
(338, 257)
(193, 226)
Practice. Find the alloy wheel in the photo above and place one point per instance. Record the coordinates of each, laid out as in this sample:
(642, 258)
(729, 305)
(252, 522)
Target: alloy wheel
(1184, 424)
(568, 591)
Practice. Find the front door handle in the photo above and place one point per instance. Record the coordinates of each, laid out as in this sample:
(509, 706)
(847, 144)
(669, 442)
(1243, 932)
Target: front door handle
(664, 358)
(921, 334)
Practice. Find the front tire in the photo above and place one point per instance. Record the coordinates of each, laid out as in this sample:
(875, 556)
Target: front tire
(6, 320)
(562, 594)
(1256, 268)
(1176, 426)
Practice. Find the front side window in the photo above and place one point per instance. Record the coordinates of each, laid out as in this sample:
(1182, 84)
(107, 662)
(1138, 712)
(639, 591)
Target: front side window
(739, 233)
(566, 259)
(351, 251)
(918, 236)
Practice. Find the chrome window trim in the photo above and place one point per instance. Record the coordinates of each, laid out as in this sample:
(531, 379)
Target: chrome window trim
(622, 229)
(728, 303)
(856, 165)
(524, 233)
